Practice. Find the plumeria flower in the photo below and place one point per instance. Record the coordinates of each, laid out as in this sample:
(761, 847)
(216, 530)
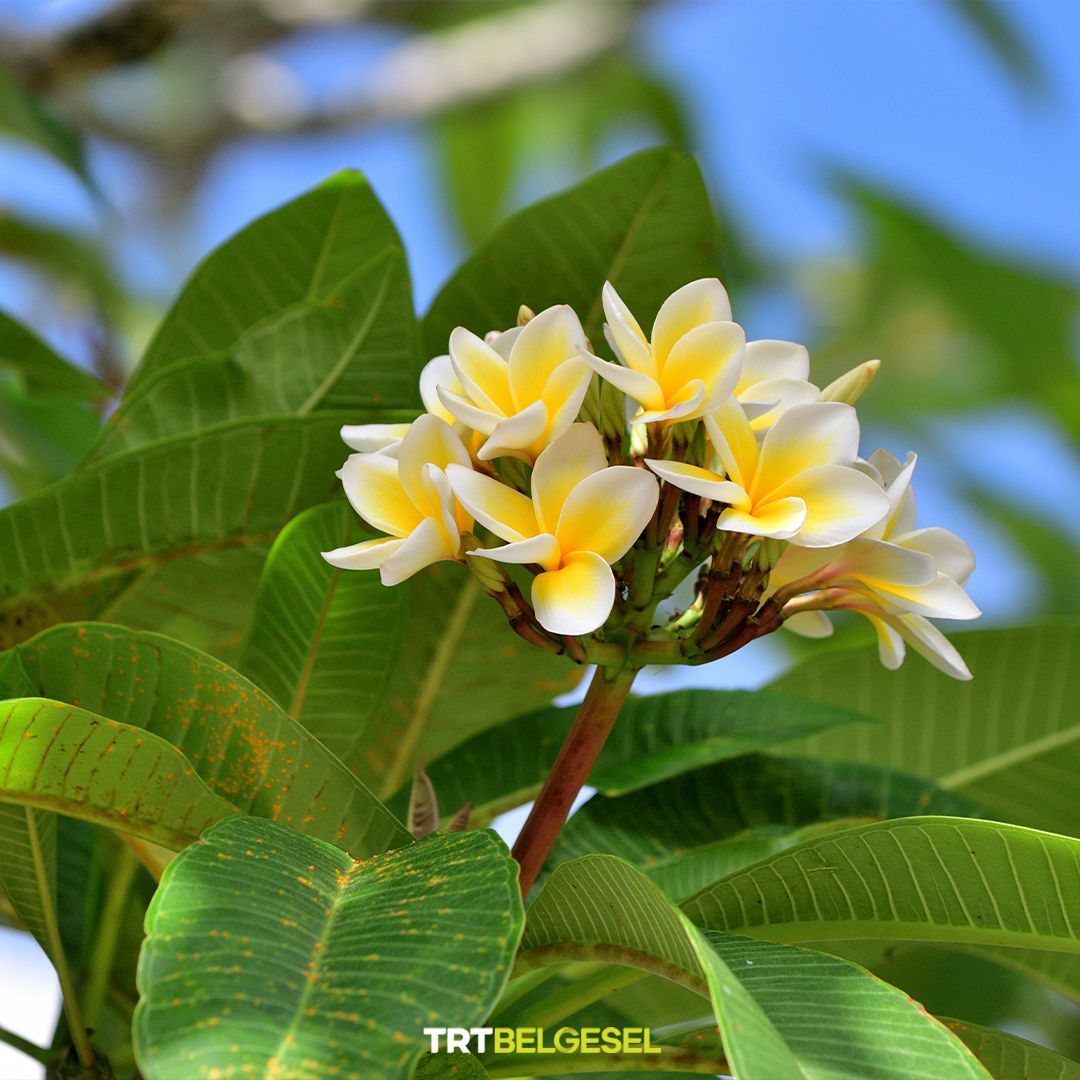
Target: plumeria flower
(894, 574)
(797, 485)
(692, 361)
(370, 438)
(520, 389)
(583, 516)
(402, 490)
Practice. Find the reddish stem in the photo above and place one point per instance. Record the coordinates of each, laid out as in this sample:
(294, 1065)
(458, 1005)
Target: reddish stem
(595, 719)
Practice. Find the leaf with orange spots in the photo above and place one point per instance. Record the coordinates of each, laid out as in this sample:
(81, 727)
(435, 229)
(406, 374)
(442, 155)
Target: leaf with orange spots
(256, 964)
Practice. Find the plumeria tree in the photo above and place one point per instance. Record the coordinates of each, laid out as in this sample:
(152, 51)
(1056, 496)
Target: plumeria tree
(238, 704)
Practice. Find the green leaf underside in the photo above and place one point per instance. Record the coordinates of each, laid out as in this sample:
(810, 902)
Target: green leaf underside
(17, 874)
(685, 832)
(933, 879)
(656, 738)
(339, 965)
(235, 739)
(384, 676)
(299, 252)
(355, 351)
(449, 1067)
(56, 757)
(645, 224)
(43, 373)
(64, 549)
(1011, 740)
(1007, 1056)
(782, 1011)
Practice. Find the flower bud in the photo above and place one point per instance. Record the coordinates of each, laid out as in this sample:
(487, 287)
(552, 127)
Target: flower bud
(852, 384)
(612, 411)
(525, 315)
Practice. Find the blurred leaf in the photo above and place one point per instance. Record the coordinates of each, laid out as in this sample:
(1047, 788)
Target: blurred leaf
(458, 1067)
(300, 254)
(215, 722)
(656, 737)
(208, 946)
(993, 26)
(1008, 739)
(382, 676)
(41, 371)
(24, 115)
(678, 831)
(645, 224)
(1006, 1056)
(933, 879)
(63, 549)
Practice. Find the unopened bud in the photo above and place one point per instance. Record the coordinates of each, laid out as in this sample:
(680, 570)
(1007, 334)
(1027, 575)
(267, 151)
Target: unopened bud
(525, 315)
(852, 384)
(612, 411)
(590, 407)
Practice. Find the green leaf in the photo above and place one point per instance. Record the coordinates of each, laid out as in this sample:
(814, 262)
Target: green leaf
(645, 224)
(1006, 1056)
(655, 738)
(355, 349)
(932, 879)
(232, 735)
(302, 252)
(57, 757)
(340, 965)
(1008, 739)
(41, 371)
(67, 550)
(995, 29)
(383, 676)
(686, 832)
(25, 116)
(782, 1011)
(19, 878)
(450, 1067)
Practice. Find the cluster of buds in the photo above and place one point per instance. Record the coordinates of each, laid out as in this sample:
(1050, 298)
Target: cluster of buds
(609, 484)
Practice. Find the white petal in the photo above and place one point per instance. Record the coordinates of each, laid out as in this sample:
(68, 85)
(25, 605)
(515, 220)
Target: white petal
(565, 394)
(368, 555)
(374, 489)
(822, 433)
(840, 502)
(890, 644)
(544, 344)
(542, 549)
(507, 513)
(517, 434)
(608, 511)
(428, 543)
(933, 645)
(880, 561)
(577, 598)
(810, 624)
(461, 409)
(577, 453)
(483, 373)
(712, 353)
(776, 396)
(941, 599)
(950, 554)
(780, 519)
(645, 391)
(431, 441)
(624, 335)
(702, 301)
(688, 403)
(734, 442)
(369, 438)
(771, 359)
(437, 372)
(901, 517)
(698, 481)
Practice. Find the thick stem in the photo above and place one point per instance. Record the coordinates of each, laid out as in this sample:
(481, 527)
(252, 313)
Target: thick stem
(109, 926)
(595, 718)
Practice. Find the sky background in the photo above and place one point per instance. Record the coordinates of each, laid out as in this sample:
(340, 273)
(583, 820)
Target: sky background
(895, 90)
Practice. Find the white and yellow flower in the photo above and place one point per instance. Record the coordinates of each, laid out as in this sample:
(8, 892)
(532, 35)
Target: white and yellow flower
(774, 377)
(690, 364)
(402, 490)
(582, 516)
(520, 389)
(797, 485)
(894, 574)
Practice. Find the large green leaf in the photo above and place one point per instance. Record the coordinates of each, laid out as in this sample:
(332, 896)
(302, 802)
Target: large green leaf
(1009, 739)
(1007, 1056)
(302, 252)
(235, 739)
(386, 676)
(66, 550)
(645, 224)
(354, 350)
(782, 1012)
(689, 831)
(23, 878)
(934, 879)
(57, 757)
(338, 966)
(655, 738)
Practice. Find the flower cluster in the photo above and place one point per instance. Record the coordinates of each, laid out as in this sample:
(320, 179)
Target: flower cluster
(611, 482)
